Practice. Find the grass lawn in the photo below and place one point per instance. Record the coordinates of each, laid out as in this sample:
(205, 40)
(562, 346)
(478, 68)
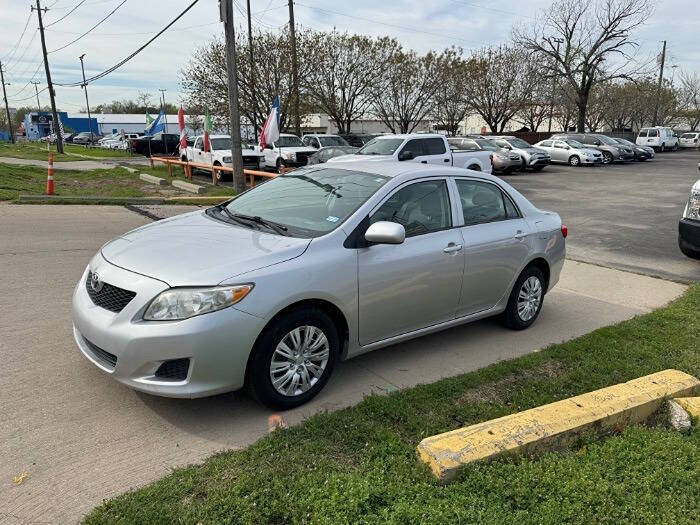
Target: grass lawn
(359, 465)
(37, 151)
(115, 182)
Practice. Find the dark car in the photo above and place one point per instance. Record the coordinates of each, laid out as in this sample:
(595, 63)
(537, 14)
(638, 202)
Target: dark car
(85, 138)
(611, 150)
(641, 153)
(69, 138)
(324, 154)
(689, 225)
(357, 140)
(160, 143)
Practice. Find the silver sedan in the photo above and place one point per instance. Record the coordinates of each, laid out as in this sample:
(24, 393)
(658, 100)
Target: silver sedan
(273, 287)
(571, 152)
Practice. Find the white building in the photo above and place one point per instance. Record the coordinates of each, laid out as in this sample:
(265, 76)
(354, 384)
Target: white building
(322, 123)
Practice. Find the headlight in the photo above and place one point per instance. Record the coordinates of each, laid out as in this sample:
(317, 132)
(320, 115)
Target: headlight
(182, 303)
(227, 160)
(692, 210)
(290, 156)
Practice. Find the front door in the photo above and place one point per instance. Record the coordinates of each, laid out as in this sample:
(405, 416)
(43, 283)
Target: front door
(495, 244)
(416, 284)
(428, 151)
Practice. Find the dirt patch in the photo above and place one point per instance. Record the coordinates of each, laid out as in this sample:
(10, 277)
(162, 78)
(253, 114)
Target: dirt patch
(494, 391)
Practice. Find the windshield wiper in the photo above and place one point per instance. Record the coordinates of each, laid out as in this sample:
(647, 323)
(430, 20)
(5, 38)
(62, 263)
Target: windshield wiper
(282, 230)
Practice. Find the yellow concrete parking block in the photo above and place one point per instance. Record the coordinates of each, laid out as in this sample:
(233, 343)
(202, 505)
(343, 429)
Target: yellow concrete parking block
(690, 405)
(555, 425)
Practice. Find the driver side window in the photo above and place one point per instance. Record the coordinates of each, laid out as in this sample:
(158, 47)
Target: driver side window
(420, 208)
(415, 146)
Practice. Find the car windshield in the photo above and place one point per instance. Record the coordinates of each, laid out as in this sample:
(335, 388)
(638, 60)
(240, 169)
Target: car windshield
(574, 143)
(606, 140)
(688, 135)
(380, 147)
(221, 143)
(518, 143)
(625, 142)
(332, 141)
(288, 142)
(308, 202)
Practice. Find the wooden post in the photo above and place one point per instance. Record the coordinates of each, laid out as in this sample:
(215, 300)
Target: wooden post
(150, 160)
(170, 169)
(213, 175)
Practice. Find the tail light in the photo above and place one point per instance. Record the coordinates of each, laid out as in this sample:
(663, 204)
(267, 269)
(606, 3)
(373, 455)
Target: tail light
(133, 143)
(564, 231)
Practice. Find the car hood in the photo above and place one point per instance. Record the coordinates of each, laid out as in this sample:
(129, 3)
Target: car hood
(530, 150)
(361, 158)
(196, 250)
(297, 149)
(590, 151)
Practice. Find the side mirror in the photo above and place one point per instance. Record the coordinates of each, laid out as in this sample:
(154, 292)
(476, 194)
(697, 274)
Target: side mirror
(507, 146)
(385, 232)
(406, 155)
(597, 142)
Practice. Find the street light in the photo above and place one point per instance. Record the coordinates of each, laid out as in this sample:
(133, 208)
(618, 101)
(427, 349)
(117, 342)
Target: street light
(87, 102)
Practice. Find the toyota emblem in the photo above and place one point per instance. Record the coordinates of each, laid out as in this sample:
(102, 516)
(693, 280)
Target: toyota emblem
(95, 283)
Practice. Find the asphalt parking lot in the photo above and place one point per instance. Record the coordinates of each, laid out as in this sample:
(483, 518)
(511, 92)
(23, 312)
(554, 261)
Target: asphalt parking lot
(623, 216)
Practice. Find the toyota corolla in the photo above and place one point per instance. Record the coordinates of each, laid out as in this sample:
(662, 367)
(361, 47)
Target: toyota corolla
(273, 287)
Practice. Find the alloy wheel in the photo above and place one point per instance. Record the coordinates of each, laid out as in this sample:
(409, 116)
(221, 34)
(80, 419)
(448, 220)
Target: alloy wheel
(574, 160)
(529, 298)
(299, 360)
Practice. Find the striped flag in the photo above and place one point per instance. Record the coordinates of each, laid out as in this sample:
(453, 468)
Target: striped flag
(207, 131)
(270, 131)
(181, 124)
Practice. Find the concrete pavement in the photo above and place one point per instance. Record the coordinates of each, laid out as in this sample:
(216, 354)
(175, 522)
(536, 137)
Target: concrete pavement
(83, 437)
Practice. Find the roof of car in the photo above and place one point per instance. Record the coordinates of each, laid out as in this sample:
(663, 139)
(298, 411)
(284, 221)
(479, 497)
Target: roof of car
(395, 169)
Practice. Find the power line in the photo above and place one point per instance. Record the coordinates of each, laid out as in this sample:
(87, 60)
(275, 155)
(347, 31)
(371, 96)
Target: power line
(8, 57)
(88, 31)
(29, 45)
(137, 32)
(30, 80)
(64, 16)
(132, 55)
(27, 98)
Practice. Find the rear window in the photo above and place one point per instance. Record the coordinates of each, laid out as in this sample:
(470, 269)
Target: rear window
(689, 135)
(643, 133)
(653, 133)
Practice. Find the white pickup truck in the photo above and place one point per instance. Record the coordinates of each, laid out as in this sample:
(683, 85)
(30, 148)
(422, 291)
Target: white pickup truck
(220, 154)
(288, 151)
(419, 147)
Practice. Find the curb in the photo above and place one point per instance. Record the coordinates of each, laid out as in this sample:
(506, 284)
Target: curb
(555, 425)
(158, 181)
(58, 199)
(188, 186)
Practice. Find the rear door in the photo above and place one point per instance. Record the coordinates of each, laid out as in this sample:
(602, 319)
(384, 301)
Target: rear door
(495, 244)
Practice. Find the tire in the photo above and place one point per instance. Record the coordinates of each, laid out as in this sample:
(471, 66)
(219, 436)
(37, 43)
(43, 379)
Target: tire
(183, 158)
(538, 168)
(574, 160)
(675, 147)
(535, 281)
(278, 166)
(607, 157)
(219, 173)
(688, 252)
(305, 322)
(663, 147)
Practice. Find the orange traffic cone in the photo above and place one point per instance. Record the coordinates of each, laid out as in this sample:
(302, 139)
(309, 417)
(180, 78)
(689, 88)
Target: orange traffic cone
(49, 177)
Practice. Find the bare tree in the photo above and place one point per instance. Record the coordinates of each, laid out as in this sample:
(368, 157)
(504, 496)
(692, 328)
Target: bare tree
(596, 47)
(537, 102)
(450, 106)
(497, 89)
(689, 95)
(344, 70)
(404, 89)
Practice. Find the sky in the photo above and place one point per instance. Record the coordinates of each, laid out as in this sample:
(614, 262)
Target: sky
(419, 24)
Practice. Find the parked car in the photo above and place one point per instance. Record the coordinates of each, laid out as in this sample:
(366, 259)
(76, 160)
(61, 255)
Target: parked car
(659, 137)
(690, 140)
(358, 139)
(220, 154)
(326, 153)
(689, 225)
(164, 143)
(68, 139)
(641, 153)
(530, 157)
(571, 152)
(86, 138)
(611, 150)
(425, 148)
(321, 140)
(503, 161)
(287, 151)
(273, 287)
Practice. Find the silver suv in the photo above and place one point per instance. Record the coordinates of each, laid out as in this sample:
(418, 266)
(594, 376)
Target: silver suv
(531, 157)
(611, 150)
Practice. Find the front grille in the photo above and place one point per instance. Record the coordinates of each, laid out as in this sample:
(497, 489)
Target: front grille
(174, 369)
(250, 160)
(107, 359)
(109, 297)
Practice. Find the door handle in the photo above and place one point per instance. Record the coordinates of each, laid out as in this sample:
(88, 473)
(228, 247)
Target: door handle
(445, 160)
(423, 161)
(519, 234)
(452, 248)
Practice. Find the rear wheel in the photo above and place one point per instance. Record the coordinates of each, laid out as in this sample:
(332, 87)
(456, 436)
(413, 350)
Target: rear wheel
(219, 173)
(293, 359)
(574, 160)
(525, 301)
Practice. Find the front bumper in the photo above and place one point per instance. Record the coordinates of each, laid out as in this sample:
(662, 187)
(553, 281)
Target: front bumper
(689, 234)
(217, 344)
(538, 161)
(506, 165)
(294, 163)
(592, 160)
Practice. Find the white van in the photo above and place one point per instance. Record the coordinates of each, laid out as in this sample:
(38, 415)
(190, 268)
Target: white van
(658, 137)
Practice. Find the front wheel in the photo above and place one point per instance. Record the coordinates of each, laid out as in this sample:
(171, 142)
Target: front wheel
(525, 301)
(663, 147)
(607, 157)
(675, 147)
(293, 359)
(278, 166)
(574, 160)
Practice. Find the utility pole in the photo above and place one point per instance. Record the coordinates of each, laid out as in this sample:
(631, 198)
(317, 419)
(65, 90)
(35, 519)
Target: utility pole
(554, 89)
(252, 74)
(658, 89)
(7, 107)
(52, 93)
(87, 102)
(36, 90)
(165, 118)
(295, 72)
(226, 15)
